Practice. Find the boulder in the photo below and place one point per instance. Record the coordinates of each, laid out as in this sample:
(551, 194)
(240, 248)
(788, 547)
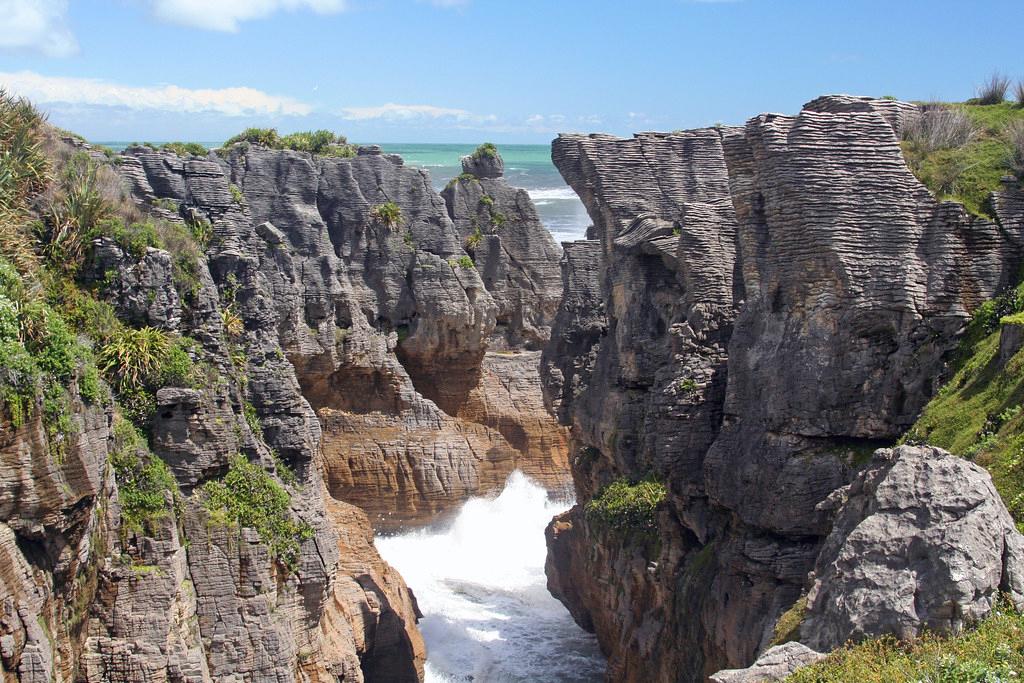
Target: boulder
(922, 542)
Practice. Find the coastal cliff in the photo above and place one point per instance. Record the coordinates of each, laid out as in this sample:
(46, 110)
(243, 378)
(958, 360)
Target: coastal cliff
(762, 308)
(266, 353)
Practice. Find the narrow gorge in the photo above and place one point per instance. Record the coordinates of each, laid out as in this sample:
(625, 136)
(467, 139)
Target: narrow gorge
(236, 382)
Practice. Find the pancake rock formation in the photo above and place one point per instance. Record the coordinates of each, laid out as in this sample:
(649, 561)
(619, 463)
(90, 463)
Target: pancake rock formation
(762, 307)
(346, 378)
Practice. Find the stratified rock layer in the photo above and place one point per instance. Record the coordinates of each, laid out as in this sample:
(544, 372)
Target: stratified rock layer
(514, 253)
(763, 305)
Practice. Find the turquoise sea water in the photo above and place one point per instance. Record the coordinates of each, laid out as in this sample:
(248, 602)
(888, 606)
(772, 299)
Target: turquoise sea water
(526, 166)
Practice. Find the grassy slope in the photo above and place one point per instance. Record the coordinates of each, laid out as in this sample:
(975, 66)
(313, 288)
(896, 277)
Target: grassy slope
(992, 653)
(970, 173)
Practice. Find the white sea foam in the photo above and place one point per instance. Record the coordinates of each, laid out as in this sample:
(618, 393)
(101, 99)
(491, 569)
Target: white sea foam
(487, 615)
(552, 193)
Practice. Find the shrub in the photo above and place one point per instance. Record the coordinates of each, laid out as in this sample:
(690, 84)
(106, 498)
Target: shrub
(321, 142)
(236, 194)
(625, 507)
(939, 128)
(184, 149)
(250, 497)
(233, 325)
(462, 178)
(252, 418)
(1015, 135)
(133, 356)
(465, 262)
(24, 171)
(387, 214)
(1018, 93)
(473, 241)
(993, 91)
(486, 150)
(83, 199)
(265, 137)
(143, 480)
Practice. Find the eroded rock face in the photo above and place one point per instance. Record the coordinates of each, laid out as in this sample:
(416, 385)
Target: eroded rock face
(763, 305)
(514, 253)
(922, 540)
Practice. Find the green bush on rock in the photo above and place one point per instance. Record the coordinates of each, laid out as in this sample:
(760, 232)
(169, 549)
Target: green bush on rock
(250, 497)
(626, 507)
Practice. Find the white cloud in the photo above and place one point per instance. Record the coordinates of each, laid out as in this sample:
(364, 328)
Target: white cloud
(224, 15)
(37, 25)
(411, 112)
(90, 91)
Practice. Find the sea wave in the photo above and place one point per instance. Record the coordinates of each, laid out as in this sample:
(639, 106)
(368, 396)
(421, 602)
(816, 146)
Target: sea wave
(552, 193)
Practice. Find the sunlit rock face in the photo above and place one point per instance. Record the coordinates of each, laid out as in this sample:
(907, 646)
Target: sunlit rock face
(762, 306)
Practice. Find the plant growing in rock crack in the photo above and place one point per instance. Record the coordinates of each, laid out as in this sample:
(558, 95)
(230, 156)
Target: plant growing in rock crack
(250, 497)
(144, 481)
(236, 194)
(387, 214)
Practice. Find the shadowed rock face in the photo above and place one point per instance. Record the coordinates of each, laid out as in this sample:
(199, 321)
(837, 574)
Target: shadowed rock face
(763, 304)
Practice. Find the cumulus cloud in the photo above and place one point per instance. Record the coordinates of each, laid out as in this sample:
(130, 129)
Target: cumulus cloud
(38, 26)
(411, 112)
(225, 15)
(94, 92)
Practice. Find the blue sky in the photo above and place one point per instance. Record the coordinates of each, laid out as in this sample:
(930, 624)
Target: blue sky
(470, 70)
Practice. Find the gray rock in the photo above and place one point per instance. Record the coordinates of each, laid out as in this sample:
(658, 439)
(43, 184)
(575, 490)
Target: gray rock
(776, 299)
(775, 664)
(484, 163)
(922, 542)
(514, 253)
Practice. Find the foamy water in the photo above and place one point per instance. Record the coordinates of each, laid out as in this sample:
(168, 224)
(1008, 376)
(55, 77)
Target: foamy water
(487, 615)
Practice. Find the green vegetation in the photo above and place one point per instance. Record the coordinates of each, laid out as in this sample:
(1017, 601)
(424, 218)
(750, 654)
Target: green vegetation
(24, 171)
(463, 178)
(461, 262)
(387, 214)
(473, 241)
(252, 418)
(184, 149)
(265, 137)
(319, 142)
(991, 653)
(250, 497)
(961, 151)
(180, 241)
(630, 508)
(485, 151)
(977, 414)
(236, 194)
(144, 481)
(137, 362)
(787, 628)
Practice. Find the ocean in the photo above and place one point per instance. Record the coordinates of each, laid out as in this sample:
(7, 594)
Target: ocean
(480, 584)
(526, 166)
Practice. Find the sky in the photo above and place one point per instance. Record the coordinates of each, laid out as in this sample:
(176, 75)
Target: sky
(507, 71)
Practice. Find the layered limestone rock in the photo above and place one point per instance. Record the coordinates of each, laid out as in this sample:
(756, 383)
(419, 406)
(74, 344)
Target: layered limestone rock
(763, 305)
(514, 253)
(385, 323)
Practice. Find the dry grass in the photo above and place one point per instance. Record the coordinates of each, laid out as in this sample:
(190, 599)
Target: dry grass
(938, 128)
(993, 91)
